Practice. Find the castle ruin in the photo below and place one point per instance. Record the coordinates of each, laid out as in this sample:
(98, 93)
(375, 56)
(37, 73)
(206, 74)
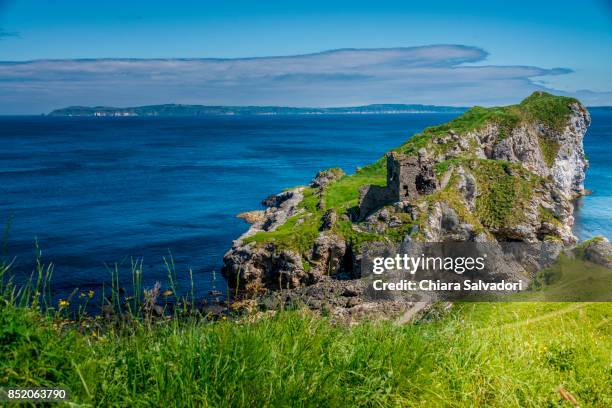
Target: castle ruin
(408, 177)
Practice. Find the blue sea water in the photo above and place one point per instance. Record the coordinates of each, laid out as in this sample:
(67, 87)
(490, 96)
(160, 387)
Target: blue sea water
(97, 191)
(593, 213)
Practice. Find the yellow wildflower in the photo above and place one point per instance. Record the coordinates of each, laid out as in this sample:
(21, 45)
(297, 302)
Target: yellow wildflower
(63, 303)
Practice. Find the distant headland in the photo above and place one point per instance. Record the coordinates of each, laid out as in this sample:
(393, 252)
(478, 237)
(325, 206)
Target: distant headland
(204, 110)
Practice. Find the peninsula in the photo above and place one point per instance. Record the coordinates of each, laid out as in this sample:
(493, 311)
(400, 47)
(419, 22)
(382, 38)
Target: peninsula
(492, 175)
(204, 110)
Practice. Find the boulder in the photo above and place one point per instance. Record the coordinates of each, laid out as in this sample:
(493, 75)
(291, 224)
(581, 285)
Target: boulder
(327, 254)
(329, 220)
(325, 177)
(252, 217)
(598, 250)
(257, 267)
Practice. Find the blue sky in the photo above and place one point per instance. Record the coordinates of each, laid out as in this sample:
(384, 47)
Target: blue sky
(498, 51)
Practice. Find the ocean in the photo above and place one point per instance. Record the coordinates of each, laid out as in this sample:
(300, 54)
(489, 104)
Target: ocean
(95, 192)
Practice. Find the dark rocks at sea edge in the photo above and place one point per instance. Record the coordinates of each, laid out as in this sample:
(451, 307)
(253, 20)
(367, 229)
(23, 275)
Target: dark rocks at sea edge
(491, 175)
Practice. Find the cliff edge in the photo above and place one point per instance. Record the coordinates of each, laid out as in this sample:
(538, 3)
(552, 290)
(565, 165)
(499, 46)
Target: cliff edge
(490, 175)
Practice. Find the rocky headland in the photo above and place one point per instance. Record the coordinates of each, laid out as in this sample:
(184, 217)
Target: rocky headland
(500, 174)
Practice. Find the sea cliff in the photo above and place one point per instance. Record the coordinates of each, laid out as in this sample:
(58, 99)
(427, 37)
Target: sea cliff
(491, 175)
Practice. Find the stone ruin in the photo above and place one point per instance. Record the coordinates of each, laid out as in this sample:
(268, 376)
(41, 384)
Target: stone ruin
(408, 177)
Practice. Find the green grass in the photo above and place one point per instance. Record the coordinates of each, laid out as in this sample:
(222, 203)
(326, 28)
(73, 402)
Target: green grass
(506, 354)
(344, 193)
(540, 107)
(477, 354)
(298, 232)
(548, 216)
(571, 279)
(549, 149)
(548, 109)
(442, 167)
(477, 117)
(506, 190)
(506, 118)
(454, 200)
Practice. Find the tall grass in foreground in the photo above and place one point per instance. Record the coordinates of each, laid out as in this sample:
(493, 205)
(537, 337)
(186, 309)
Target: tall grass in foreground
(124, 302)
(497, 354)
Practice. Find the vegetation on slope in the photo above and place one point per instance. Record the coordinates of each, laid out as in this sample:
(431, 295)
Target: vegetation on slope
(506, 190)
(505, 193)
(344, 193)
(549, 149)
(551, 110)
(481, 354)
(540, 107)
(299, 231)
(478, 354)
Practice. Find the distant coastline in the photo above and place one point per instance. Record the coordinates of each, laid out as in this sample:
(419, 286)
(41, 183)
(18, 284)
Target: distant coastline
(211, 110)
(205, 110)
(599, 108)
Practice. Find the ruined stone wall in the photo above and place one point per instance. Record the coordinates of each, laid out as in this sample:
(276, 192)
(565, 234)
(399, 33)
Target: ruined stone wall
(402, 173)
(373, 197)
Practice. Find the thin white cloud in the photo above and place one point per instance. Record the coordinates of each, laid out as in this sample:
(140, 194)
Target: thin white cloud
(8, 34)
(435, 74)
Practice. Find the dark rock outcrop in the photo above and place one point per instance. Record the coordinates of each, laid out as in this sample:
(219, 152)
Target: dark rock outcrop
(329, 220)
(255, 267)
(327, 254)
(324, 177)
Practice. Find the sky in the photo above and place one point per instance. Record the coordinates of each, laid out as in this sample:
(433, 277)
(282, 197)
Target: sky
(314, 53)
